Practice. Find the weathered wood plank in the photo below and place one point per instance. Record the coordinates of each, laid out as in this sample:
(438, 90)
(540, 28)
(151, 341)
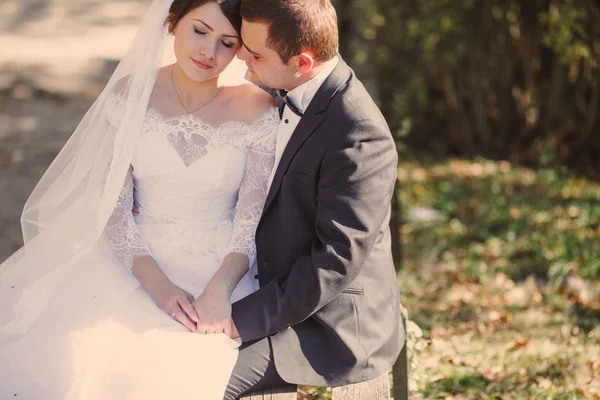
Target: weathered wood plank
(375, 389)
(287, 393)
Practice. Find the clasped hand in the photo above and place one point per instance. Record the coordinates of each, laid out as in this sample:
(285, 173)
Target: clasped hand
(209, 313)
(213, 308)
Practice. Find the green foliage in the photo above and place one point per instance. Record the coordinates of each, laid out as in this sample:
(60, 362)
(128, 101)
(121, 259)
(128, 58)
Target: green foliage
(496, 79)
(482, 281)
(501, 217)
(564, 31)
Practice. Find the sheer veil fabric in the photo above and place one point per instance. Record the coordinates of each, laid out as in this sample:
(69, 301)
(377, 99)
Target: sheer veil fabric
(65, 215)
(64, 219)
(67, 212)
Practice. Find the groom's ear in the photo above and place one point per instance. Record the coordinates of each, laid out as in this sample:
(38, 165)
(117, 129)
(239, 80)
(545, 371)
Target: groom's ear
(305, 62)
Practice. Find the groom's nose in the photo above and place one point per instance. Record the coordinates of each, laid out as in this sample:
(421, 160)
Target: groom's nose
(243, 54)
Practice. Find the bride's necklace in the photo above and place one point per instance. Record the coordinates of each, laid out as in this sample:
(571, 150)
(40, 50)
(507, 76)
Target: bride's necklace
(179, 97)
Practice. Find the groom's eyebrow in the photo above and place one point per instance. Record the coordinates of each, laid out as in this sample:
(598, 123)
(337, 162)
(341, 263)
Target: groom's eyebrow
(253, 52)
(212, 30)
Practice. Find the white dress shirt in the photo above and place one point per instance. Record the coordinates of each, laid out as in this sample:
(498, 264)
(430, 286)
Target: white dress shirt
(301, 98)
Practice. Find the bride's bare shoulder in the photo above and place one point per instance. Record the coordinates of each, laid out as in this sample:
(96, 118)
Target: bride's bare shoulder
(251, 101)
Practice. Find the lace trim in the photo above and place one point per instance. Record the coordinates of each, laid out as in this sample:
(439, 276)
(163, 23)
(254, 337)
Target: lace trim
(121, 230)
(193, 138)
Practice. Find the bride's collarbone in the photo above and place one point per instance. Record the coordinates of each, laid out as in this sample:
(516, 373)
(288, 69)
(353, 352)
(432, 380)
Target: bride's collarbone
(243, 103)
(170, 108)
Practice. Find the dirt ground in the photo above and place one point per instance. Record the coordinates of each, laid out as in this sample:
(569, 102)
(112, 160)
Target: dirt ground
(55, 57)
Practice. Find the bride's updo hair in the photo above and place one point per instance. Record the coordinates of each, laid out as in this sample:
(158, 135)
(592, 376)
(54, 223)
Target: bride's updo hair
(180, 8)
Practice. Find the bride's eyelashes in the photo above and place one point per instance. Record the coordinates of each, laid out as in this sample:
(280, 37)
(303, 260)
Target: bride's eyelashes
(226, 44)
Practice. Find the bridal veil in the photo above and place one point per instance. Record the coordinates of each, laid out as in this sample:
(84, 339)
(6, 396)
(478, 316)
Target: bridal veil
(65, 216)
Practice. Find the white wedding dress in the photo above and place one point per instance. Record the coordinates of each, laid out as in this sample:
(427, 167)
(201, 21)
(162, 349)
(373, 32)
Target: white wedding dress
(200, 191)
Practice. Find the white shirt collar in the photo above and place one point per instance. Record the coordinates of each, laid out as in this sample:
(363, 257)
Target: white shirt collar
(303, 94)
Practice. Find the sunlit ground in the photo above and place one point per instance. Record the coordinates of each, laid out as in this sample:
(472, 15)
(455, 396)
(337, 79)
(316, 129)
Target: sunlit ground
(503, 280)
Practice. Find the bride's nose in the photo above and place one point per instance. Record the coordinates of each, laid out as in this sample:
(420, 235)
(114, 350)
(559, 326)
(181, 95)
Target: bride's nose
(209, 50)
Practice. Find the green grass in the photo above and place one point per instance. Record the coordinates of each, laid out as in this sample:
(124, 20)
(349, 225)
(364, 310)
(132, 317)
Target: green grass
(508, 218)
(481, 284)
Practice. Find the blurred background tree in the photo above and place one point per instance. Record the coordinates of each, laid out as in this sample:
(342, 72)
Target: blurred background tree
(514, 80)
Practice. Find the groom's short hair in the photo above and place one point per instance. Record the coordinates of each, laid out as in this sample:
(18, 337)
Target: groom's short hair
(296, 26)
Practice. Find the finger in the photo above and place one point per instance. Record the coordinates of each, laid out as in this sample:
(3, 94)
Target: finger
(201, 327)
(227, 328)
(188, 308)
(184, 320)
(210, 328)
(205, 328)
(234, 332)
(219, 327)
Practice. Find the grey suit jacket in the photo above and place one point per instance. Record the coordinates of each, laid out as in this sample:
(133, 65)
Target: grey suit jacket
(328, 297)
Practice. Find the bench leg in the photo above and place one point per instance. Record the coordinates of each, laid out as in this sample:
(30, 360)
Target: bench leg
(400, 375)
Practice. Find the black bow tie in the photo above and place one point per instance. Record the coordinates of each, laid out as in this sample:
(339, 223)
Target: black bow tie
(285, 100)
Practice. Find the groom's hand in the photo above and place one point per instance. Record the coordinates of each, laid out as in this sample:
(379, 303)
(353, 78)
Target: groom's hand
(234, 332)
(214, 310)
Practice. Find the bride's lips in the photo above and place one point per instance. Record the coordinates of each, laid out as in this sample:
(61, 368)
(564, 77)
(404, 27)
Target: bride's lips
(202, 65)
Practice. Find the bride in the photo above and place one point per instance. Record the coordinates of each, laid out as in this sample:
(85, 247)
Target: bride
(141, 233)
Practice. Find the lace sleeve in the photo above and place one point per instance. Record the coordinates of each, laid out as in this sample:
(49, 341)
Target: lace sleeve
(254, 187)
(121, 230)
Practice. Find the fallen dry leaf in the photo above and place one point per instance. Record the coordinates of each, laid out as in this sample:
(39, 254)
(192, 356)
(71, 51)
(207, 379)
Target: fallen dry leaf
(520, 343)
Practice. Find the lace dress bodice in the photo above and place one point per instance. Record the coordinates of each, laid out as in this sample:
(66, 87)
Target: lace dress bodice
(204, 186)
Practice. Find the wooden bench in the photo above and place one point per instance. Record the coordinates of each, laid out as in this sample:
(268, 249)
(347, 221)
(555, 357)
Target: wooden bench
(375, 389)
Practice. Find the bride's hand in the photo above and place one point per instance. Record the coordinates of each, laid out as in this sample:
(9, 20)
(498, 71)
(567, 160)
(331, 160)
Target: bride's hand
(168, 297)
(176, 302)
(214, 309)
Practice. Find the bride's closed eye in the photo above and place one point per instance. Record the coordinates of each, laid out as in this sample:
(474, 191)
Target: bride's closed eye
(226, 44)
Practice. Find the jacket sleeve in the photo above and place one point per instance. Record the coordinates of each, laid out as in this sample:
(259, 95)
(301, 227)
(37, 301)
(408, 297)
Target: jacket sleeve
(356, 182)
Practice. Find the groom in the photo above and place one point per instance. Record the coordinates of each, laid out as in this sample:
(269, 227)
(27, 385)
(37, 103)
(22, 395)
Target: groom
(327, 311)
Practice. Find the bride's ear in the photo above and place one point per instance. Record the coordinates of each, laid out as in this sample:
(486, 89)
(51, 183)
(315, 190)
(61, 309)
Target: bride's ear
(304, 62)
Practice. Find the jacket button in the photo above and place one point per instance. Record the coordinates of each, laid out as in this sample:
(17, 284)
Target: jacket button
(255, 276)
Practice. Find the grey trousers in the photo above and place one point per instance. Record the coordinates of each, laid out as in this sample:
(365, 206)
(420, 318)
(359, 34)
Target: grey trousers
(254, 370)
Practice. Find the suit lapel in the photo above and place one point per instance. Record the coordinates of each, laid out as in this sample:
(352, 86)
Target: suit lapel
(309, 123)
(305, 128)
